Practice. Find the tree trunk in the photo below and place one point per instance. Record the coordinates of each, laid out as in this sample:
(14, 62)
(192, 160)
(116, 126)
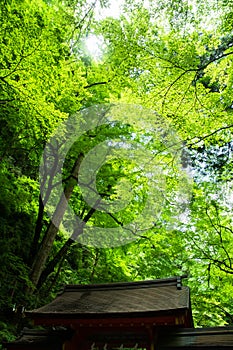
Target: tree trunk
(63, 251)
(50, 235)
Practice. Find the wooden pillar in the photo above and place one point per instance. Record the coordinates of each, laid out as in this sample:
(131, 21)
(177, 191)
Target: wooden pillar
(152, 332)
(77, 342)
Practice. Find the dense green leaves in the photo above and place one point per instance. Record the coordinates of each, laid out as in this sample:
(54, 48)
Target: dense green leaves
(160, 56)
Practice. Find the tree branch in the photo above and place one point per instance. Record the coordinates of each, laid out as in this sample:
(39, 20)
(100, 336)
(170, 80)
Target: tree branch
(95, 84)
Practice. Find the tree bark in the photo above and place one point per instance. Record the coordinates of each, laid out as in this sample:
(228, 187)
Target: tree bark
(63, 251)
(50, 234)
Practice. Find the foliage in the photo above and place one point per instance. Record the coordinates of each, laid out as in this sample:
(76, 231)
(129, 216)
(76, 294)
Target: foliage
(160, 56)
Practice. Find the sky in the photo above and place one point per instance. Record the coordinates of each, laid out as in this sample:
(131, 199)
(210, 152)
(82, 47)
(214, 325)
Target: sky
(112, 11)
(93, 43)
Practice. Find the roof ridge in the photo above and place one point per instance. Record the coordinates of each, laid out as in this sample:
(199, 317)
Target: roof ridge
(176, 281)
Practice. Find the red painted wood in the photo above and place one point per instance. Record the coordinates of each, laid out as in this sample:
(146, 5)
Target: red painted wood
(178, 319)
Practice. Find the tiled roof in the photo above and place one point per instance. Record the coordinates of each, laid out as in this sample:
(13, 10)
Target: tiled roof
(40, 339)
(119, 298)
(199, 338)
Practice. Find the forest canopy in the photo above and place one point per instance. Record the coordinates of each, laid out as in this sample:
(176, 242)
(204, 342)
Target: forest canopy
(170, 64)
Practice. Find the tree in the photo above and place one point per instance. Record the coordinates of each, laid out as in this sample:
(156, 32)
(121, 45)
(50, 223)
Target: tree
(42, 82)
(184, 73)
(157, 56)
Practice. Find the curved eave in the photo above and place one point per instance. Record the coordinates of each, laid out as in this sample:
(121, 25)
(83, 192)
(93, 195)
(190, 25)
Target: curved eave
(181, 317)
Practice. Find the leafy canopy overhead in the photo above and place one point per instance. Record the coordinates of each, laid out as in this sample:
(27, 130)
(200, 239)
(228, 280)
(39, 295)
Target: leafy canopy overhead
(173, 58)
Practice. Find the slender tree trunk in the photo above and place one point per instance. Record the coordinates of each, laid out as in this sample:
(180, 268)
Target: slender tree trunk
(63, 251)
(50, 235)
(38, 230)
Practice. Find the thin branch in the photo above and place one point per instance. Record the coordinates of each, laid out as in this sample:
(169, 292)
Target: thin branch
(95, 84)
(201, 138)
